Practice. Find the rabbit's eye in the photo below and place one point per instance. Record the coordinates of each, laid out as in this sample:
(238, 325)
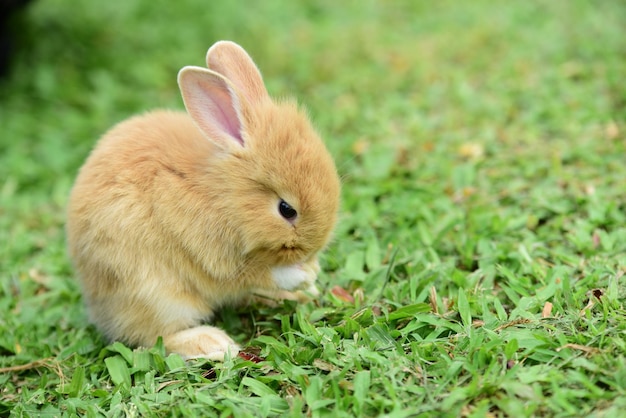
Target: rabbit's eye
(286, 210)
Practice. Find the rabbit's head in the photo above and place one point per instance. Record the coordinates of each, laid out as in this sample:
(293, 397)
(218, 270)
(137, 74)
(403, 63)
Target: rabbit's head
(278, 186)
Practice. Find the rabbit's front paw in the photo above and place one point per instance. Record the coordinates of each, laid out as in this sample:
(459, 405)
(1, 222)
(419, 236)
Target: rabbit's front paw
(201, 342)
(273, 297)
(295, 277)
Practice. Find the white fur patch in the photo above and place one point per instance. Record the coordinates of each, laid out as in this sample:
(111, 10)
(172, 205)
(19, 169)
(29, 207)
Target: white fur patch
(292, 277)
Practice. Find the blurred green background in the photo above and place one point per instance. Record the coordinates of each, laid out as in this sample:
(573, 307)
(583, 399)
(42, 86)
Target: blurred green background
(420, 77)
(483, 141)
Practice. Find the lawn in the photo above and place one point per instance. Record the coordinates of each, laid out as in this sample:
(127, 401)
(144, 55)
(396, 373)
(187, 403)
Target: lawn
(478, 268)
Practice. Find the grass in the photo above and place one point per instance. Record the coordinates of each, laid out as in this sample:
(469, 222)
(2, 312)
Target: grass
(478, 269)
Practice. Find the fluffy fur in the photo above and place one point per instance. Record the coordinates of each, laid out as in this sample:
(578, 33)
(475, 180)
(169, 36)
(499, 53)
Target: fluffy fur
(176, 214)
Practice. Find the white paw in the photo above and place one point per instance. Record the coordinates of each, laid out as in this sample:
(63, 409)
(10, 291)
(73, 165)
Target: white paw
(293, 277)
(201, 342)
(312, 290)
(273, 297)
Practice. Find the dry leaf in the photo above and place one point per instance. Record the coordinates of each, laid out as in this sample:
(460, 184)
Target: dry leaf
(39, 277)
(250, 357)
(469, 410)
(428, 146)
(360, 146)
(547, 310)
(433, 300)
(594, 293)
(471, 150)
(32, 365)
(588, 307)
(291, 391)
(612, 130)
(590, 189)
(584, 348)
(346, 385)
(168, 383)
(359, 295)
(519, 321)
(323, 365)
(342, 294)
(398, 62)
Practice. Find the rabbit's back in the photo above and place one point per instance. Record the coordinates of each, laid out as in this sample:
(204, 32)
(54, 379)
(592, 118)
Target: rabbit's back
(134, 170)
(120, 223)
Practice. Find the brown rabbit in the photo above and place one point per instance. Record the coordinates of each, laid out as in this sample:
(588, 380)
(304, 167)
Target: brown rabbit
(174, 215)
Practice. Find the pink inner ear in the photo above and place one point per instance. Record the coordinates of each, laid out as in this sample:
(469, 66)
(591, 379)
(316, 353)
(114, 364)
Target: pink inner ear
(226, 116)
(213, 105)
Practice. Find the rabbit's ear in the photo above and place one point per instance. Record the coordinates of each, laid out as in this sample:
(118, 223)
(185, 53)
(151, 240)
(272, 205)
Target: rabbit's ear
(213, 104)
(233, 62)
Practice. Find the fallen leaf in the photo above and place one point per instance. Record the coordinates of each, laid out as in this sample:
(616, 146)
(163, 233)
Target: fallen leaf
(39, 277)
(323, 365)
(612, 130)
(292, 391)
(519, 321)
(433, 300)
(359, 295)
(398, 62)
(428, 146)
(471, 150)
(468, 191)
(342, 294)
(588, 307)
(346, 385)
(168, 383)
(580, 347)
(360, 146)
(547, 310)
(246, 355)
(32, 365)
(470, 411)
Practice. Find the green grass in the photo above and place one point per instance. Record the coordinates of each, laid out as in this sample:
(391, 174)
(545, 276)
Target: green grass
(483, 153)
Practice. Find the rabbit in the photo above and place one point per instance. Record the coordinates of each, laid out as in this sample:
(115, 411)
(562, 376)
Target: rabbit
(174, 214)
